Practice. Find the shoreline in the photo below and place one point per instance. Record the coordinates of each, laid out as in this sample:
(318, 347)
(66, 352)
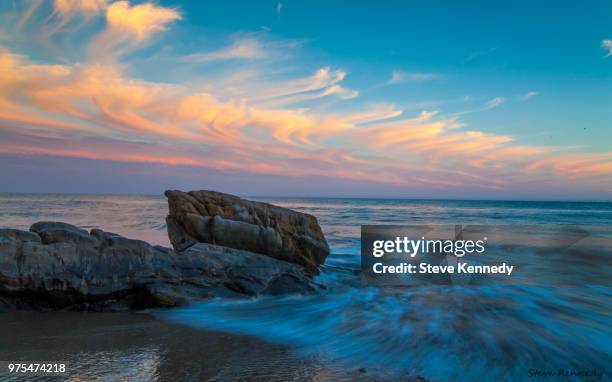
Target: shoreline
(115, 345)
(142, 347)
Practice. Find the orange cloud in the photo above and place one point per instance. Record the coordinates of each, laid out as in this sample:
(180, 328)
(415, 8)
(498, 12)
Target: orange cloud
(139, 20)
(68, 12)
(130, 26)
(68, 7)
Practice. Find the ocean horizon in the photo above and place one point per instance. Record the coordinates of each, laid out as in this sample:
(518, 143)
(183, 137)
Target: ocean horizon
(332, 197)
(143, 216)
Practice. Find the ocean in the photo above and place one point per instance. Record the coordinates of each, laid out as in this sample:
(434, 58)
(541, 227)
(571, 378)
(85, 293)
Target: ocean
(441, 332)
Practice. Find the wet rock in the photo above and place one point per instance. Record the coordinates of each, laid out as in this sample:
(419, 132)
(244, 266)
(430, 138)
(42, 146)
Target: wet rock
(53, 226)
(229, 221)
(59, 266)
(18, 234)
(58, 232)
(178, 237)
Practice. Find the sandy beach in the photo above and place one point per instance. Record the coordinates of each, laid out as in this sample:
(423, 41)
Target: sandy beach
(139, 347)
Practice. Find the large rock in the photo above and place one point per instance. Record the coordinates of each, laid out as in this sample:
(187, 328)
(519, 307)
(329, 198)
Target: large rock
(59, 266)
(229, 221)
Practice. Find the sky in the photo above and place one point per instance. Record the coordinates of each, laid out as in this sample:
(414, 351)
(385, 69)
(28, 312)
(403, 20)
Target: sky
(386, 99)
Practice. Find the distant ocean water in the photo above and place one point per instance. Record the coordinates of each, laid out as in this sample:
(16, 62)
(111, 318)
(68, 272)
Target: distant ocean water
(440, 332)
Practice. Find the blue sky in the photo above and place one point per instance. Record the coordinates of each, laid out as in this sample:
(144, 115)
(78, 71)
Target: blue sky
(390, 99)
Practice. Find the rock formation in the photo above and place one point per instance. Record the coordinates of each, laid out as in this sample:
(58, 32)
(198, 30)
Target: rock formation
(59, 266)
(223, 246)
(229, 221)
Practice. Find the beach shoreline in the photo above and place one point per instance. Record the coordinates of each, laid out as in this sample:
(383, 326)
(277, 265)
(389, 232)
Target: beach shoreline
(141, 347)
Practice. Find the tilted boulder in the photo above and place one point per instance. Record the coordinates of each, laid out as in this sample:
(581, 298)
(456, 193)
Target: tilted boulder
(60, 266)
(229, 221)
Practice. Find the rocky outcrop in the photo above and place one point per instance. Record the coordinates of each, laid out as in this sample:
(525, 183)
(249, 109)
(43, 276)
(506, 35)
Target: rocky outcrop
(229, 221)
(223, 246)
(60, 266)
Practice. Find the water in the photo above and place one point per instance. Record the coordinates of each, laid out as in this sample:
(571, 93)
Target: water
(440, 332)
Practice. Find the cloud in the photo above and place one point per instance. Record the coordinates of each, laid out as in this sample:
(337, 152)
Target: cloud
(128, 27)
(140, 20)
(73, 13)
(528, 95)
(324, 82)
(373, 113)
(495, 102)
(607, 45)
(66, 8)
(398, 77)
(32, 7)
(340, 91)
(244, 49)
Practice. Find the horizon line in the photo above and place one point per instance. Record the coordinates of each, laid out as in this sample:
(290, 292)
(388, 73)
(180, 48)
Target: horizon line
(318, 197)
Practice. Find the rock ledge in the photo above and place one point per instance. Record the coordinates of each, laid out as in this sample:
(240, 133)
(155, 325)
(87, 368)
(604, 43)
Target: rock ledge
(59, 266)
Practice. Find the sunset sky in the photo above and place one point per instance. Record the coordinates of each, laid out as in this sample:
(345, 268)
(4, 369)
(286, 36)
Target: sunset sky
(476, 100)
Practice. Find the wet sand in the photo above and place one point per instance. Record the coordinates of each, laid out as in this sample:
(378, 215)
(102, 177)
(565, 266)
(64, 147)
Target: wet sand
(139, 347)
